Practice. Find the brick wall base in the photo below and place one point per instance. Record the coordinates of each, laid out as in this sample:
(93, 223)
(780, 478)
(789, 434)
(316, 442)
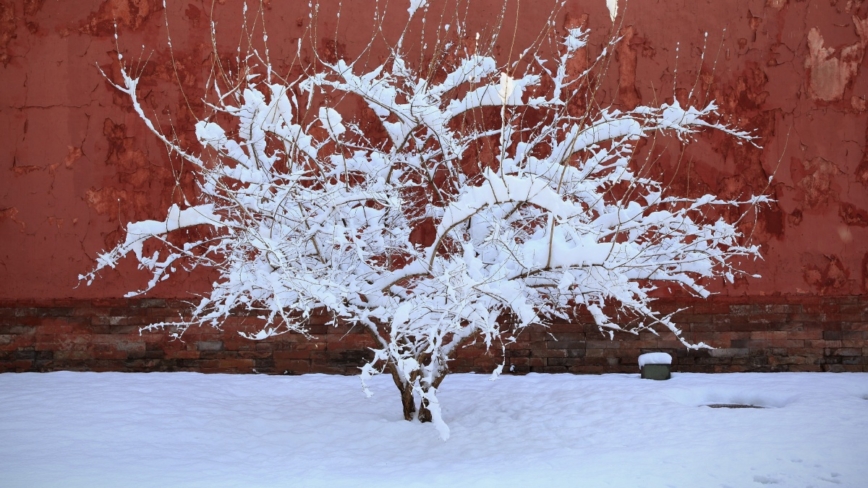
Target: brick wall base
(789, 333)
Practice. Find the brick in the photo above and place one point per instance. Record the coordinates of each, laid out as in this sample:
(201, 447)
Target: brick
(18, 366)
(854, 335)
(832, 325)
(109, 354)
(549, 353)
(767, 318)
(806, 368)
(565, 345)
(591, 354)
(245, 365)
(844, 351)
(790, 360)
(71, 355)
(486, 365)
(781, 308)
(330, 368)
(576, 353)
(852, 368)
(151, 303)
(295, 366)
(768, 335)
(750, 327)
(287, 355)
(567, 362)
(566, 337)
(209, 346)
(130, 346)
(787, 334)
(318, 330)
(831, 335)
(730, 352)
(518, 353)
(805, 334)
(743, 309)
(17, 329)
(537, 362)
(26, 312)
(694, 319)
(182, 354)
(703, 328)
(467, 353)
(588, 369)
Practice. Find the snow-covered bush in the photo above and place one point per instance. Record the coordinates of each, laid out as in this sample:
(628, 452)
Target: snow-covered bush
(414, 236)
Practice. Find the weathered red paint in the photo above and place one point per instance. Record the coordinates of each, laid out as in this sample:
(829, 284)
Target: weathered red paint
(76, 163)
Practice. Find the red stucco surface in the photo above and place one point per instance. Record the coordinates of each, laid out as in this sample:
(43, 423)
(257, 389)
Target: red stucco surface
(76, 163)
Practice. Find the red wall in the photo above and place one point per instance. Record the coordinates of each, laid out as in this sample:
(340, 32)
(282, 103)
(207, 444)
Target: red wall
(76, 163)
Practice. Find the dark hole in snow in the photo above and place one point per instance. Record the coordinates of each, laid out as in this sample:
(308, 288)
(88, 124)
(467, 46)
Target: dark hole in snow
(731, 405)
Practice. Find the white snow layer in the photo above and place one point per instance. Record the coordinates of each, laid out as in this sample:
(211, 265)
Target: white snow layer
(415, 5)
(612, 5)
(654, 358)
(193, 430)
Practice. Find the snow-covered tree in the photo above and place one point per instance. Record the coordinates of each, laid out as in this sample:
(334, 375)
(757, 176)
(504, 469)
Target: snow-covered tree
(414, 236)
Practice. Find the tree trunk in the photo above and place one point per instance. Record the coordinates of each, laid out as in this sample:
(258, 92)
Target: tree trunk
(424, 413)
(407, 401)
(406, 390)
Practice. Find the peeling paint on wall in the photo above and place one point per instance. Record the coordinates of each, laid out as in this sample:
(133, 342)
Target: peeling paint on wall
(123, 13)
(826, 279)
(7, 29)
(816, 179)
(789, 71)
(831, 74)
(10, 214)
(853, 215)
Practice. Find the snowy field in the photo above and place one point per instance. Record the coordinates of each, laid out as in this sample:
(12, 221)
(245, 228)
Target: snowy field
(185, 429)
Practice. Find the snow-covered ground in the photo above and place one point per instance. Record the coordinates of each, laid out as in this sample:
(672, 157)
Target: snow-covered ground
(184, 429)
